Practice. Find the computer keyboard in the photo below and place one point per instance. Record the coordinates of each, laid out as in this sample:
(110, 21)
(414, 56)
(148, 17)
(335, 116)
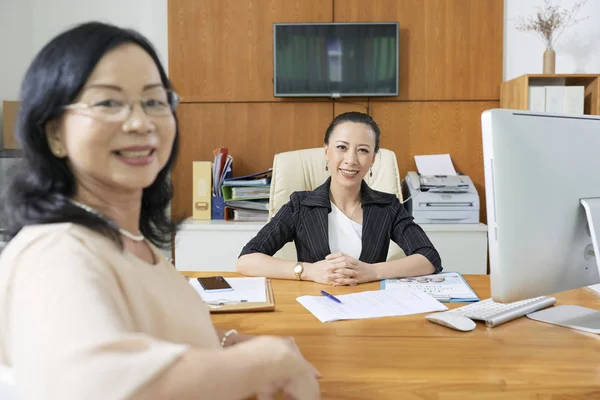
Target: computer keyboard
(494, 314)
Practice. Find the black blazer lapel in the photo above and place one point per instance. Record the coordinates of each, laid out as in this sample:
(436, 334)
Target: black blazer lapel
(317, 225)
(317, 208)
(375, 217)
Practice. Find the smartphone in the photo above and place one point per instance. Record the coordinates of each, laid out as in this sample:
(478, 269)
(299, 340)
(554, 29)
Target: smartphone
(214, 284)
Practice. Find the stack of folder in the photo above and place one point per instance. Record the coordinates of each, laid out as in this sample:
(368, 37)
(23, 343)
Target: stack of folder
(247, 197)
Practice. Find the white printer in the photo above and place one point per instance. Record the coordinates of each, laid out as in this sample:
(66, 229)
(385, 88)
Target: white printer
(441, 199)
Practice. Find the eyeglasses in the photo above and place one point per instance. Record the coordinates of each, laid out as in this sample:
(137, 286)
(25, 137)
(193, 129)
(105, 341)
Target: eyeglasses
(115, 106)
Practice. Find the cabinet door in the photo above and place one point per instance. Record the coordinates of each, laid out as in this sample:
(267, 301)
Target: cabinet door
(210, 250)
(464, 252)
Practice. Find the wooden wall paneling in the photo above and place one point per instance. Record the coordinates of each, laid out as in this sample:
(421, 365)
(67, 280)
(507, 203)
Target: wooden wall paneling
(222, 50)
(420, 128)
(253, 132)
(449, 49)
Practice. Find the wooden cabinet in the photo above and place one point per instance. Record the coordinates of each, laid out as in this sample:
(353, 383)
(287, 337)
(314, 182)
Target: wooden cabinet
(514, 94)
(216, 245)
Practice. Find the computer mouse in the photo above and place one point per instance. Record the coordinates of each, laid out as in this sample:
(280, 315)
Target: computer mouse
(452, 320)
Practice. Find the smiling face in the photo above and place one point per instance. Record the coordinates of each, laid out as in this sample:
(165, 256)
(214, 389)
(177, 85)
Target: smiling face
(350, 153)
(107, 152)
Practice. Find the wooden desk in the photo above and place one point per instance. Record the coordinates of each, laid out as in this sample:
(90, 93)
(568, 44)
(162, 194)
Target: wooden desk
(410, 358)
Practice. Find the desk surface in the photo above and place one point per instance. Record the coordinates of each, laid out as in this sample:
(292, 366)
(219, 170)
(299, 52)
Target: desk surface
(411, 358)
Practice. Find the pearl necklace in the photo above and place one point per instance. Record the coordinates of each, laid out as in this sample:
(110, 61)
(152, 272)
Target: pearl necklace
(135, 238)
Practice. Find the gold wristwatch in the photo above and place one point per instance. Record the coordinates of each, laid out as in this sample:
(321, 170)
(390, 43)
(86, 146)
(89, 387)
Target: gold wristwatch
(298, 270)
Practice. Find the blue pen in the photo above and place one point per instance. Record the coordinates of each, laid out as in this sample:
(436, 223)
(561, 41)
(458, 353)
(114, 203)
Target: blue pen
(332, 297)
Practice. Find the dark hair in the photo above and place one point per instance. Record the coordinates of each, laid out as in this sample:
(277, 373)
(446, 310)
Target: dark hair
(356, 117)
(42, 187)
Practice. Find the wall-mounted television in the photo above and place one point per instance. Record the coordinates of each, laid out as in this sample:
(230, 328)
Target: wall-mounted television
(335, 59)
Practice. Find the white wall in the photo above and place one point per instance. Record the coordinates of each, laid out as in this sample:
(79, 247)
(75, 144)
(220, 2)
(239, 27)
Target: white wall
(577, 51)
(149, 17)
(27, 25)
(16, 47)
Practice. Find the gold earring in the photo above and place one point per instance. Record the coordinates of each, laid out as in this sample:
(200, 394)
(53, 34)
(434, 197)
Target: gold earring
(326, 166)
(58, 152)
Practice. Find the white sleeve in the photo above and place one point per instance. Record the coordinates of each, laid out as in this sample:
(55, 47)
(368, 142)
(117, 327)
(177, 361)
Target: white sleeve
(69, 333)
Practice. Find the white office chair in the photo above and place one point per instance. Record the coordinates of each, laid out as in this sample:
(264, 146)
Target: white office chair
(305, 170)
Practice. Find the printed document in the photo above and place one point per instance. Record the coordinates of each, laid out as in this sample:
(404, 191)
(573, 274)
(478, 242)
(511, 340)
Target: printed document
(445, 287)
(372, 304)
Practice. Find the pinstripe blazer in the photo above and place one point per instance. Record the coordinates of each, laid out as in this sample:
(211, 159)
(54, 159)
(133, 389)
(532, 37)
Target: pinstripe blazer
(304, 219)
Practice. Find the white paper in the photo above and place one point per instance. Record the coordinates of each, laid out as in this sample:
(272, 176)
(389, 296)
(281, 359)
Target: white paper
(595, 288)
(372, 304)
(438, 164)
(251, 290)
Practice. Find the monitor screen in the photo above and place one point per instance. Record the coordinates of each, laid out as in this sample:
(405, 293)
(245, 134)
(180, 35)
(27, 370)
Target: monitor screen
(539, 168)
(335, 59)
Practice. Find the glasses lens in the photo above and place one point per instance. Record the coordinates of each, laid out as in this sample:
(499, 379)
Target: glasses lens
(160, 102)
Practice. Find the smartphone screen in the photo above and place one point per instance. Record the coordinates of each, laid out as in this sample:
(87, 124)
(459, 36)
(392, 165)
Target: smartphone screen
(214, 284)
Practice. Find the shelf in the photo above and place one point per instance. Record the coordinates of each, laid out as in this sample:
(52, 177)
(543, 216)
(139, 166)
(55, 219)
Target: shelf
(514, 94)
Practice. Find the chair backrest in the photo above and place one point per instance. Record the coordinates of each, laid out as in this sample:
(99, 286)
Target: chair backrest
(305, 170)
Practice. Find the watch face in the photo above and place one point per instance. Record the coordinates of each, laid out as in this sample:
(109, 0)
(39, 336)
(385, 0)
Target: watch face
(298, 269)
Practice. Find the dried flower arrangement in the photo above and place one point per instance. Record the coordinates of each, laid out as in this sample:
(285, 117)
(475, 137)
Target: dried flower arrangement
(550, 21)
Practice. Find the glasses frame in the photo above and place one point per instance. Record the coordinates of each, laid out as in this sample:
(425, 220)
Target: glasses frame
(173, 99)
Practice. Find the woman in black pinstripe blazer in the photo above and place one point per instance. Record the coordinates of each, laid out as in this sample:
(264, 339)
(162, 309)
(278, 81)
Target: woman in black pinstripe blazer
(342, 229)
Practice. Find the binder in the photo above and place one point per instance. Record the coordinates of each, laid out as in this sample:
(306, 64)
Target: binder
(218, 207)
(202, 190)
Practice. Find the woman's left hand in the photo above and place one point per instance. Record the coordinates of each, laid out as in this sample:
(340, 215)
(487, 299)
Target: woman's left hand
(241, 337)
(235, 338)
(349, 270)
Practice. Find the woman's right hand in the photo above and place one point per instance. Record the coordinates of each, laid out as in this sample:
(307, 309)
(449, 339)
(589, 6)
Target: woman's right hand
(320, 272)
(297, 378)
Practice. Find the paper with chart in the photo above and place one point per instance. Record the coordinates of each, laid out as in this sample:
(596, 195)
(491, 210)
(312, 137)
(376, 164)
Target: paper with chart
(372, 304)
(444, 287)
(247, 290)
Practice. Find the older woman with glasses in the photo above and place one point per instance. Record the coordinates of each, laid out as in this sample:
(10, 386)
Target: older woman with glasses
(89, 308)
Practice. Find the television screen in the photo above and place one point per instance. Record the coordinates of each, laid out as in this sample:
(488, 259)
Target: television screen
(335, 59)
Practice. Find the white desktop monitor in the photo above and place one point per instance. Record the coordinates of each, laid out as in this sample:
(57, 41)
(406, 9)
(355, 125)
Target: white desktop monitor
(538, 168)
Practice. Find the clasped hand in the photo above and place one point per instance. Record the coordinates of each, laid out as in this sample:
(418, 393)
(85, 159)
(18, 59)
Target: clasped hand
(340, 269)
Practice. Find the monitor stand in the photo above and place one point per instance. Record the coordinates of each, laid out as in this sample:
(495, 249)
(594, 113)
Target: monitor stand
(576, 317)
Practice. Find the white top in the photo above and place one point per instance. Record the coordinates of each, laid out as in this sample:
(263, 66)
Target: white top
(81, 319)
(345, 235)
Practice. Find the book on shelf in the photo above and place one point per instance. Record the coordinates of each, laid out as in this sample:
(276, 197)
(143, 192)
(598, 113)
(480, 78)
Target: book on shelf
(247, 197)
(234, 193)
(249, 182)
(256, 179)
(239, 214)
(221, 169)
(254, 192)
(261, 205)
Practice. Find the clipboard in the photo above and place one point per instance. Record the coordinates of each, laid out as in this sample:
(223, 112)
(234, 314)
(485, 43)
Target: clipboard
(268, 305)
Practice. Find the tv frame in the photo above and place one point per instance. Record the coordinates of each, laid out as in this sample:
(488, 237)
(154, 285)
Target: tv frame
(336, 95)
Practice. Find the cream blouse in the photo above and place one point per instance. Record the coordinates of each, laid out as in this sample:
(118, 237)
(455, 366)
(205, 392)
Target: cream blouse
(82, 319)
